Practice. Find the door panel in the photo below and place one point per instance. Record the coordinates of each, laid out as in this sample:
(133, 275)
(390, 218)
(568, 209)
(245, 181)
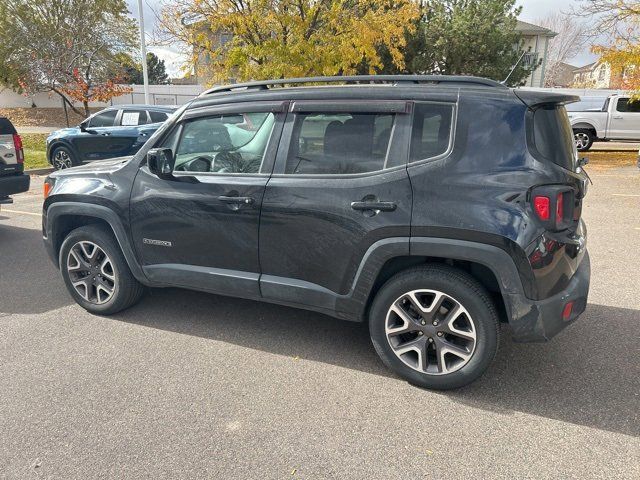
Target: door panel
(625, 120)
(200, 229)
(316, 226)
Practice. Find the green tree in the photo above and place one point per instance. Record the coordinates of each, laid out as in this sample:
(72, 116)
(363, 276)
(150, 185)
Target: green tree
(256, 39)
(67, 47)
(465, 37)
(132, 71)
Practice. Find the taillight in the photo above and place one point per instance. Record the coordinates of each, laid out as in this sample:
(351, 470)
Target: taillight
(17, 143)
(559, 209)
(541, 206)
(554, 206)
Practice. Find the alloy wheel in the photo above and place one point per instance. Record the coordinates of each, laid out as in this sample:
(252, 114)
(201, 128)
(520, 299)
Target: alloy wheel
(430, 332)
(91, 272)
(581, 140)
(62, 160)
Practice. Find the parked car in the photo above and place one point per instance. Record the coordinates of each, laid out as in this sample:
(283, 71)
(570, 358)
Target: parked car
(617, 119)
(113, 132)
(12, 177)
(431, 207)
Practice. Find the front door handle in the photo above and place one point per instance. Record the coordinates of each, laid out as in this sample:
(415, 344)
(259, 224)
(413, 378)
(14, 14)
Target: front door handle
(105, 134)
(373, 205)
(236, 200)
(618, 117)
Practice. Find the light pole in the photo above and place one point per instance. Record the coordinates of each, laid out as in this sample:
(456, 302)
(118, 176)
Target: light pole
(143, 52)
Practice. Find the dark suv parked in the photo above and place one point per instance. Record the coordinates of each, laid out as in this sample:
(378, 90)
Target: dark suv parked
(112, 132)
(433, 208)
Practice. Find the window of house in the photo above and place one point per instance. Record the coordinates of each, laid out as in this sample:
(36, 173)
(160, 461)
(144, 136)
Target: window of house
(233, 143)
(339, 143)
(431, 130)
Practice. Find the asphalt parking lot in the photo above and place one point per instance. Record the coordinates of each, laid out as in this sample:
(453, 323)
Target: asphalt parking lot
(190, 385)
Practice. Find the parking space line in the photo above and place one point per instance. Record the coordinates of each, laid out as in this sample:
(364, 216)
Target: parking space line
(626, 194)
(20, 211)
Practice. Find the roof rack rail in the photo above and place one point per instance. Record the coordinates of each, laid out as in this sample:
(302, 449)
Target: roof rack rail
(360, 79)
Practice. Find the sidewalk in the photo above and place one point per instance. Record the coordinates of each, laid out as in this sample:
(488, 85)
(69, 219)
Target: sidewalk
(25, 130)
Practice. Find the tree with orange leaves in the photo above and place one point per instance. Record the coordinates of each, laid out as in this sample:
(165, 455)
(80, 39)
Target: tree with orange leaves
(66, 47)
(618, 21)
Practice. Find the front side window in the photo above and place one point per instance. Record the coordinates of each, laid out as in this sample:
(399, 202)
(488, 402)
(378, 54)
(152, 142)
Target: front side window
(431, 130)
(339, 143)
(233, 143)
(103, 119)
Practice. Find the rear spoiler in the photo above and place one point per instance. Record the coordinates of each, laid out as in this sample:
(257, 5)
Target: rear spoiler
(536, 97)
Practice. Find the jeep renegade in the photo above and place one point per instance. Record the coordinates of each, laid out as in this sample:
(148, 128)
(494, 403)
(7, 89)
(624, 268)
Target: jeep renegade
(432, 207)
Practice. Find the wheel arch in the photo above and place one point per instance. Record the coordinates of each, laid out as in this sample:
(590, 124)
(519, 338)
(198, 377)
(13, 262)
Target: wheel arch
(491, 266)
(64, 217)
(584, 126)
(57, 144)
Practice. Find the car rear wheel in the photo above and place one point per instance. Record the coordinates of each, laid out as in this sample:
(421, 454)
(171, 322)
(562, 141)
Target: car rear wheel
(583, 138)
(62, 158)
(96, 273)
(435, 326)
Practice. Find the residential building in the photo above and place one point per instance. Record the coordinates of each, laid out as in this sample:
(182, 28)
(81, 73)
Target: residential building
(600, 75)
(536, 44)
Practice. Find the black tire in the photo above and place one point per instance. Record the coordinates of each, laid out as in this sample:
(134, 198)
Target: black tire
(62, 157)
(126, 289)
(583, 138)
(459, 286)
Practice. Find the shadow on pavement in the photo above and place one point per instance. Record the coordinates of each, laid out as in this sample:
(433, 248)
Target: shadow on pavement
(587, 375)
(29, 283)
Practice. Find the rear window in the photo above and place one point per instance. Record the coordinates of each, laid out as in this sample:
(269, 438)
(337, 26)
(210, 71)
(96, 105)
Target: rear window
(552, 136)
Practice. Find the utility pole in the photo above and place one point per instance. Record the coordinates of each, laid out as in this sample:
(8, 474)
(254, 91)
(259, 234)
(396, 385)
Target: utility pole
(143, 52)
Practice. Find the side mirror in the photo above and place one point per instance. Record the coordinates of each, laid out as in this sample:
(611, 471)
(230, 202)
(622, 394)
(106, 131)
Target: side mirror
(160, 162)
(83, 128)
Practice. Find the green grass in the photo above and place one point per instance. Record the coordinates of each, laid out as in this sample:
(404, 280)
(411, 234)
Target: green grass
(35, 150)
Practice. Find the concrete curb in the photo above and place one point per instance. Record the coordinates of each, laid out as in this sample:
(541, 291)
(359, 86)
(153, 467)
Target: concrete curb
(39, 171)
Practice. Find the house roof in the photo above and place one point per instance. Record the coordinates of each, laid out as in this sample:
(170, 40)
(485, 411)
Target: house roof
(531, 29)
(586, 68)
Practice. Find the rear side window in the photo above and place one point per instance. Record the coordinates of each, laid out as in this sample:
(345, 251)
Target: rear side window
(627, 106)
(339, 143)
(431, 131)
(131, 118)
(553, 137)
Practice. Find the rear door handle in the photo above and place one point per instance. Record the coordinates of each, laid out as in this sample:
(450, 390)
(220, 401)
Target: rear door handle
(381, 206)
(236, 200)
(618, 117)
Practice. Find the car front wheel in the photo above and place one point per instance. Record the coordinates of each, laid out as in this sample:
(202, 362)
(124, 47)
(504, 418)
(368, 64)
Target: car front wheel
(62, 158)
(435, 326)
(96, 273)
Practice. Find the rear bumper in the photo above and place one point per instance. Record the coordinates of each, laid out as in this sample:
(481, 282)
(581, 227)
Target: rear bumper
(12, 184)
(539, 321)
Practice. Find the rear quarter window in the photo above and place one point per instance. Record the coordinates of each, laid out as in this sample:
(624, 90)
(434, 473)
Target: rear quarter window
(551, 136)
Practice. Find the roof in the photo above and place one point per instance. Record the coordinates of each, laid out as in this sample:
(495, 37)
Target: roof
(370, 80)
(531, 29)
(586, 68)
(159, 108)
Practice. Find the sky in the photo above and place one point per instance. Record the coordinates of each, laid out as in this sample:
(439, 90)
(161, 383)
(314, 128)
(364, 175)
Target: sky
(532, 10)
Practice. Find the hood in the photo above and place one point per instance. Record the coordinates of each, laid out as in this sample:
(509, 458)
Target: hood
(63, 132)
(97, 167)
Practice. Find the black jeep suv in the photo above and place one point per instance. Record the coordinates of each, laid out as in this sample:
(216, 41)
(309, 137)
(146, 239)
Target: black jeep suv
(432, 207)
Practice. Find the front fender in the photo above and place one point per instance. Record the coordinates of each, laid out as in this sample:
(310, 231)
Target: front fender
(52, 222)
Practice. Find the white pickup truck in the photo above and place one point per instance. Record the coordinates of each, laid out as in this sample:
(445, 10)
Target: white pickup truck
(617, 119)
